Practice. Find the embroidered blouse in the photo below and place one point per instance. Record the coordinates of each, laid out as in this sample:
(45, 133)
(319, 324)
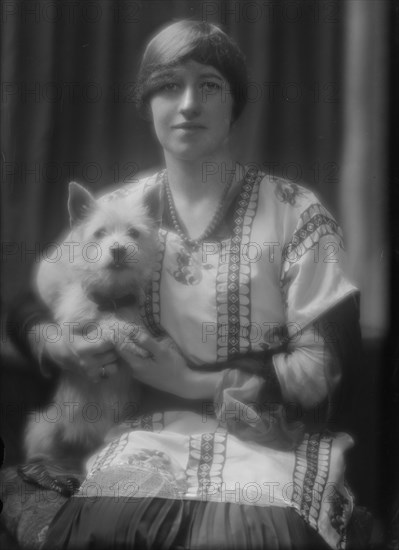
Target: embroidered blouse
(264, 278)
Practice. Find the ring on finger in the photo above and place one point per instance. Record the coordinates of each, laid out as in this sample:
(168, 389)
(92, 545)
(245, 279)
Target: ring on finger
(104, 373)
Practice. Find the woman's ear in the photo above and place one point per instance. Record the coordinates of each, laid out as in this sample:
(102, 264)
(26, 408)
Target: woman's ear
(80, 203)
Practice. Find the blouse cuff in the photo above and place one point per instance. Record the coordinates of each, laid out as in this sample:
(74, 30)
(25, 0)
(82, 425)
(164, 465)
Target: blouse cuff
(259, 364)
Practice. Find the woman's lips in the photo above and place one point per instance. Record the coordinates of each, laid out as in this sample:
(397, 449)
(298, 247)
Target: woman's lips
(188, 126)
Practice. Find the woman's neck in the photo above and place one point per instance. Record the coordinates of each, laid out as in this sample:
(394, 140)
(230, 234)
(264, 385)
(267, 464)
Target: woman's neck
(197, 189)
(202, 178)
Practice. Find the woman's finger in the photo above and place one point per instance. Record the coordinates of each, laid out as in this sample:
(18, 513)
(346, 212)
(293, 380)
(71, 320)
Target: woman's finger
(106, 358)
(84, 347)
(148, 343)
(98, 359)
(134, 360)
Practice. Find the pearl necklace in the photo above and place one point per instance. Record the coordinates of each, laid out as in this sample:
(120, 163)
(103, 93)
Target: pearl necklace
(215, 220)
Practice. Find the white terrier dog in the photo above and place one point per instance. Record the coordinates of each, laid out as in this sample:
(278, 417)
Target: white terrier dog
(104, 266)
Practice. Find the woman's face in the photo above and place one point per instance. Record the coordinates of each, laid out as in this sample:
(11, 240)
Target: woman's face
(192, 111)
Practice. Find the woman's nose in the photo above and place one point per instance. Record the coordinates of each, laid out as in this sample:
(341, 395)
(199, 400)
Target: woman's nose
(190, 102)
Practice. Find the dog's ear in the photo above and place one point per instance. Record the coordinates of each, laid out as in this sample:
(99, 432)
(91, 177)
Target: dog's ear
(153, 201)
(80, 203)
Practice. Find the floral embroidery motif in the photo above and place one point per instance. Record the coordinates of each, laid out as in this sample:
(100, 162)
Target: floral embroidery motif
(163, 464)
(338, 514)
(286, 191)
(189, 268)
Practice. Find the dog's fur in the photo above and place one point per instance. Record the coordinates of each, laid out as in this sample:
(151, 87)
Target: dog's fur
(107, 259)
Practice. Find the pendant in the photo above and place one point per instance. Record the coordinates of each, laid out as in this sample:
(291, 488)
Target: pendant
(188, 266)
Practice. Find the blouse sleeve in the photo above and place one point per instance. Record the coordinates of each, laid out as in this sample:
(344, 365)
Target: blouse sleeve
(313, 268)
(313, 282)
(310, 371)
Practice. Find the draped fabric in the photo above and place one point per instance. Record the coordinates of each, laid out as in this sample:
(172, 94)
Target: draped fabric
(317, 113)
(175, 456)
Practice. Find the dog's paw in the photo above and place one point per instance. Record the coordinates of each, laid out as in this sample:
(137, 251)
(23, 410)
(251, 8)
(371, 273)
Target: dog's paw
(136, 349)
(36, 473)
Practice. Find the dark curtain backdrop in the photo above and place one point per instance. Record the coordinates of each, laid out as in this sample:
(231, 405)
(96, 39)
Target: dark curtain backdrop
(317, 114)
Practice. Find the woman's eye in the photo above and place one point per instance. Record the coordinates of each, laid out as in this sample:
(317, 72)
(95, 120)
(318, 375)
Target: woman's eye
(170, 87)
(100, 233)
(211, 86)
(133, 233)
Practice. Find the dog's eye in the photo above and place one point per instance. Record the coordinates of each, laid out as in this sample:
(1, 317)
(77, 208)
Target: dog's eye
(100, 233)
(133, 232)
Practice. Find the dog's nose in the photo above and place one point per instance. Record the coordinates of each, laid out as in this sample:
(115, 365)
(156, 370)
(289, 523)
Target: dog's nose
(118, 252)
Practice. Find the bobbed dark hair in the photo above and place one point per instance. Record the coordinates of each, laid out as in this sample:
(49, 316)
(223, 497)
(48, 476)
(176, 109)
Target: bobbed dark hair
(199, 41)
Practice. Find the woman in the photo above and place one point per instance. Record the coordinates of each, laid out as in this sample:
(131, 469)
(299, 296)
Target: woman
(250, 286)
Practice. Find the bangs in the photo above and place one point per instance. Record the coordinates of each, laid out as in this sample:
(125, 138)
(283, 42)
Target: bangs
(191, 40)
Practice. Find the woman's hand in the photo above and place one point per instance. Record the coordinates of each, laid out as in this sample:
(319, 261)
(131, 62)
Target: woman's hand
(167, 370)
(72, 351)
